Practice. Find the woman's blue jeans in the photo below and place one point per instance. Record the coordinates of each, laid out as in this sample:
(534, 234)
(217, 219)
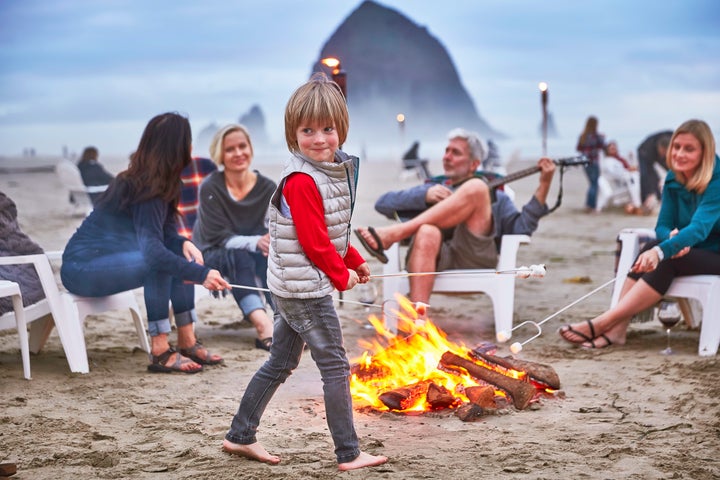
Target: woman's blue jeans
(297, 322)
(592, 171)
(118, 272)
(241, 267)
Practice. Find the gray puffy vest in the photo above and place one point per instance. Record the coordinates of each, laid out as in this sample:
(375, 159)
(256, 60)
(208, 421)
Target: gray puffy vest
(291, 274)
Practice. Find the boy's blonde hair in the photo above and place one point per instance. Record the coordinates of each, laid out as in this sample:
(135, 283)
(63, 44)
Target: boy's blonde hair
(216, 145)
(701, 178)
(318, 100)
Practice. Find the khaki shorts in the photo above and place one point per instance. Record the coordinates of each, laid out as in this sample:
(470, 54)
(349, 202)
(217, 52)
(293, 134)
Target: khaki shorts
(465, 250)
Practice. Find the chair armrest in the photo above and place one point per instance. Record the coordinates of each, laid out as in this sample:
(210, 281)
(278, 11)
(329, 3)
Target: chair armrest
(629, 239)
(509, 246)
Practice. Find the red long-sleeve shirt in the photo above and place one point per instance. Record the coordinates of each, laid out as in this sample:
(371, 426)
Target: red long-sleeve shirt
(306, 207)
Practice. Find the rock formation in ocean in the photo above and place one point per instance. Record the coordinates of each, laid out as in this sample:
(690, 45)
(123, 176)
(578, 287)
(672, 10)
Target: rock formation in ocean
(395, 66)
(201, 143)
(254, 120)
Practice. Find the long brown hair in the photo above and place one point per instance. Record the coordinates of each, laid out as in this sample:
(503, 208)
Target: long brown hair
(590, 128)
(155, 167)
(701, 178)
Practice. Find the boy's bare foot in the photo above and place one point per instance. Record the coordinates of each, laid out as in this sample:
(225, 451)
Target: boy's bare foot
(254, 451)
(362, 460)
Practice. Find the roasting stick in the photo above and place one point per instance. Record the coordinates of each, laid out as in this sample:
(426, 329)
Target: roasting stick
(259, 289)
(536, 271)
(504, 336)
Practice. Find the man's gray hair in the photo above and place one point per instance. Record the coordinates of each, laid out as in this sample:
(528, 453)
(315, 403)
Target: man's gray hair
(477, 150)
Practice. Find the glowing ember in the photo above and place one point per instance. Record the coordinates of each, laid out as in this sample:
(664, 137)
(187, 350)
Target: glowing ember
(405, 367)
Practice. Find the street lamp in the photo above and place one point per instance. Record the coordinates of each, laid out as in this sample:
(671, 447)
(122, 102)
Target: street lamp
(338, 74)
(400, 117)
(544, 99)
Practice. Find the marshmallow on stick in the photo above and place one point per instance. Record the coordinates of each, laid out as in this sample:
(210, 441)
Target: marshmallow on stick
(535, 271)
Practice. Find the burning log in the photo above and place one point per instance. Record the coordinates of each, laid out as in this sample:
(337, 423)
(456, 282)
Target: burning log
(539, 372)
(483, 396)
(521, 392)
(435, 395)
(440, 397)
(470, 412)
(403, 398)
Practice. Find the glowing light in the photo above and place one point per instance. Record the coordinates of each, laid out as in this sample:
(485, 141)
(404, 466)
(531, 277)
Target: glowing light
(543, 86)
(331, 62)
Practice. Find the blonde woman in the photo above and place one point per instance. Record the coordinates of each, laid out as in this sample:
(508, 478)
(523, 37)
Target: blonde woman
(231, 230)
(688, 237)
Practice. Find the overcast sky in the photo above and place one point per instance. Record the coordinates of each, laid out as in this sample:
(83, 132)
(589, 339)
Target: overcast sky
(79, 72)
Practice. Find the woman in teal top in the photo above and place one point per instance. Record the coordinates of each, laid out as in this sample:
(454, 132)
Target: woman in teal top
(688, 237)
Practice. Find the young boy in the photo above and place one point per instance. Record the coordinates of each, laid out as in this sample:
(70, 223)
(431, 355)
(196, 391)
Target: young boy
(309, 259)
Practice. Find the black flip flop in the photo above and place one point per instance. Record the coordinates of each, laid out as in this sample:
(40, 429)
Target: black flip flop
(378, 252)
(592, 343)
(585, 338)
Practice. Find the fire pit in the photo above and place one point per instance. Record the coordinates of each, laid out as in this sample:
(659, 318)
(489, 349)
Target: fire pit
(420, 370)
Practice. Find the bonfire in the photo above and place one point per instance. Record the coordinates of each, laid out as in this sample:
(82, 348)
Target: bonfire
(420, 370)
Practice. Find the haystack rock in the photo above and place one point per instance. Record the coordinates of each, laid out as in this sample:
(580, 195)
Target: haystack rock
(254, 120)
(395, 66)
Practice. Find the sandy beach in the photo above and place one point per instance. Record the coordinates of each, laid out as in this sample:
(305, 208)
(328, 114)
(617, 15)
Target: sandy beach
(625, 412)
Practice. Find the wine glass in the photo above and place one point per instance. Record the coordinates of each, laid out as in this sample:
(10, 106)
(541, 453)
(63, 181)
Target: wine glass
(669, 315)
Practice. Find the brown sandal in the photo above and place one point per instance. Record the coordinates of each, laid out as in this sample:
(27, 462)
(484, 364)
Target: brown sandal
(192, 353)
(159, 363)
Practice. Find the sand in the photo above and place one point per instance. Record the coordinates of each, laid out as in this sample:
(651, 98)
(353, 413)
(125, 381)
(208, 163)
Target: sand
(627, 412)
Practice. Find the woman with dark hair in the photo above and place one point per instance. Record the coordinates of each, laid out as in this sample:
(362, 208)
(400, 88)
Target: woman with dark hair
(590, 144)
(130, 240)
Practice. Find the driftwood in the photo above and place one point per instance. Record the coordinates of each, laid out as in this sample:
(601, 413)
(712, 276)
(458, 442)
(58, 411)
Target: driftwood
(470, 412)
(521, 392)
(539, 372)
(440, 397)
(402, 398)
(483, 396)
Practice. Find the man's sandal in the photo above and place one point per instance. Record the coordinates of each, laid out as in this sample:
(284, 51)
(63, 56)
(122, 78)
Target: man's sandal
(194, 351)
(158, 363)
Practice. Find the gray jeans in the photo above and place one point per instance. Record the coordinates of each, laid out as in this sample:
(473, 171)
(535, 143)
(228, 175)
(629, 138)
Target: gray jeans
(315, 322)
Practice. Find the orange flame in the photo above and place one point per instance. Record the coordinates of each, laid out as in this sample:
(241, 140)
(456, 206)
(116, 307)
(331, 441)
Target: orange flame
(394, 361)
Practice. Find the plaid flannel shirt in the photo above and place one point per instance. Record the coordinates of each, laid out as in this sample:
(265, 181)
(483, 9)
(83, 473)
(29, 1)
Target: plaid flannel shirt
(192, 176)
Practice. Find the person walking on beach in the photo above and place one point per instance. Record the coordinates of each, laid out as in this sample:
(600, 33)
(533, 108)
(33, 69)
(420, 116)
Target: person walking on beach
(652, 151)
(591, 144)
(310, 256)
(688, 237)
(453, 218)
(130, 240)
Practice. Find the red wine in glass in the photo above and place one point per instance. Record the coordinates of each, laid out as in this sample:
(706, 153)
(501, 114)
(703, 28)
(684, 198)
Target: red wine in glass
(669, 315)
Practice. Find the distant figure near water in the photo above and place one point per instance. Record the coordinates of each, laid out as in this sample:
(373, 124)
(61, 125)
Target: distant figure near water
(651, 152)
(92, 172)
(591, 144)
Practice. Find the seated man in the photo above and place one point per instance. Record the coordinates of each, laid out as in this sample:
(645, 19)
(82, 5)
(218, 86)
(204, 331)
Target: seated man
(455, 219)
